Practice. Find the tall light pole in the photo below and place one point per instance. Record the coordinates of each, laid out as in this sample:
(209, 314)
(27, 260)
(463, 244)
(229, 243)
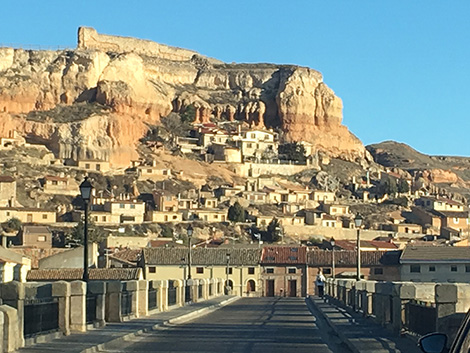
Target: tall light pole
(190, 234)
(332, 242)
(85, 190)
(358, 223)
(227, 287)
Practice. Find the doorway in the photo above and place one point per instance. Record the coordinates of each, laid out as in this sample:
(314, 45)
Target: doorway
(270, 288)
(292, 288)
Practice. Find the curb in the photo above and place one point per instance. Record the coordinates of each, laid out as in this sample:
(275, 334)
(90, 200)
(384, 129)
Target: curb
(176, 320)
(341, 336)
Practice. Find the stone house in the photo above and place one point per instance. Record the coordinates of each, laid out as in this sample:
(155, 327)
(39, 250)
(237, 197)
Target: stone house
(152, 172)
(7, 191)
(163, 216)
(34, 237)
(435, 264)
(458, 221)
(115, 212)
(12, 140)
(28, 215)
(165, 201)
(59, 185)
(284, 271)
(208, 215)
(94, 165)
(323, 196)
(254, 142)
(429, 220)
(334, 209)
(187, 203)
(375, 265)
(409, 228)
(172, 263)
(439, 204)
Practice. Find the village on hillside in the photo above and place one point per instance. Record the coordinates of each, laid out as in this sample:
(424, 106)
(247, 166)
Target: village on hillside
(287, 209)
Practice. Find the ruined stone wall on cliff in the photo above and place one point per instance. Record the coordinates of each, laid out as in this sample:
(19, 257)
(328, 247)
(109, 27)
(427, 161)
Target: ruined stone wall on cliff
(89, 38)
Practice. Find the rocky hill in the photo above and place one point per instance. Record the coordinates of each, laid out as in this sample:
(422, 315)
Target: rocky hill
(449, 173)
(97, 101)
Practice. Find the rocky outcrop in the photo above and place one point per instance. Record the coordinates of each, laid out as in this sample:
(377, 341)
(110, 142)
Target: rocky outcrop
(141, 81)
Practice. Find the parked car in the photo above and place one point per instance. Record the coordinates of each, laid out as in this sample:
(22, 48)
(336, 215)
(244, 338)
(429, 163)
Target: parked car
(437, 342)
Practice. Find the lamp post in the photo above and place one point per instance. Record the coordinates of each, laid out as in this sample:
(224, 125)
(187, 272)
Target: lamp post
(358, 223)
(85, 190)
(332, 242)
(227, 287)
(190, 234)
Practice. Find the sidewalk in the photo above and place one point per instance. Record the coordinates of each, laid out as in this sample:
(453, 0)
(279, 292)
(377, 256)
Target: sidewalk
(97, 339)
(361, 334)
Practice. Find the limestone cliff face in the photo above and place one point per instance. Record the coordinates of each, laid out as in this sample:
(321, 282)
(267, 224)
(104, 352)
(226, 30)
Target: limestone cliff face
(141, 81)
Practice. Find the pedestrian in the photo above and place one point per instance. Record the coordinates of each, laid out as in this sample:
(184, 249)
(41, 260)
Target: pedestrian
(320, 282)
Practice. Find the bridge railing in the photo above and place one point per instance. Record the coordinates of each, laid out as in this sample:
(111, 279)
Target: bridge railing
(417, 308)
(32, 309)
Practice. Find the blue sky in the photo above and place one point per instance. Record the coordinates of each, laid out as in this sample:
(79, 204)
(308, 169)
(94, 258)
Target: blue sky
(401, 67)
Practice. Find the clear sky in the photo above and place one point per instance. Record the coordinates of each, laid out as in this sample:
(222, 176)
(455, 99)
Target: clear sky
(401, 67)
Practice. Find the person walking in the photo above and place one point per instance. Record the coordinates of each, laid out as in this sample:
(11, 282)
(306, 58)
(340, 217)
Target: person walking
(320, 283)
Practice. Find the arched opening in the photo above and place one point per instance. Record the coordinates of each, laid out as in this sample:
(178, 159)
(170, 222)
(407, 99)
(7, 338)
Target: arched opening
(251, 286)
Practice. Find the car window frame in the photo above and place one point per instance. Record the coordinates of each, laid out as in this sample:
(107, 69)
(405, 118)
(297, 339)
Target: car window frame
(462, 336)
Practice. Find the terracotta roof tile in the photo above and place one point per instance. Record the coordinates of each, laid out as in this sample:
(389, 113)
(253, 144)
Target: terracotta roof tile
(284, 255)
(73, 274)
(200, 256)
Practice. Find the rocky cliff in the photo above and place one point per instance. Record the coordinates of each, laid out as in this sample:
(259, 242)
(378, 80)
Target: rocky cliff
(136, 82)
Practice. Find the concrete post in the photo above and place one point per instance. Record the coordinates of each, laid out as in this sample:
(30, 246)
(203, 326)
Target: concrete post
(205, 289)
(99, 290)
(162, 295)
(78, 304)
(402, 293)
(132, 288)
(13, 294)
(179, 285)
(113, 301)
(142, 295)
(61, 291)
(154, 285)
(10, 340)
(446, 301)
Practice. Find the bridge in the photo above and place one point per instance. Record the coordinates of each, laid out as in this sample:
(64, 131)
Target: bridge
(197, 316)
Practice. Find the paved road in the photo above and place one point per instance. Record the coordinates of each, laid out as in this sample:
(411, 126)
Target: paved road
(248, 325)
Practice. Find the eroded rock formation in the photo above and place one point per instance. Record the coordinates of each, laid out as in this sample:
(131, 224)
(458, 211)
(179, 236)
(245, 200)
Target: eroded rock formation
(141, 81)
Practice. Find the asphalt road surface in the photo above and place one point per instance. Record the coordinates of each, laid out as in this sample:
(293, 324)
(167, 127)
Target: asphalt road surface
(247, 325)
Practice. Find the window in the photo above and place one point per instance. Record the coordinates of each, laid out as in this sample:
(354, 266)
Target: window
(251, 270)
(467, 268)
(87, 165)
(378, 271)
(98, 167)
(175, 217)
(270, 270)
(249, 145)
(291, 270)
(432, 268)
(133, 206)
(95, 218)
(327, 271)
(8, 214)
(456, 221)
(41, 238)
(103, 218)
(199, 269)
(415, 268)
(149, 171)
(121, 205)
(253, 136)
(44, 216)
(152, 269)
(54, 182)
(453, 268)
(230, 270)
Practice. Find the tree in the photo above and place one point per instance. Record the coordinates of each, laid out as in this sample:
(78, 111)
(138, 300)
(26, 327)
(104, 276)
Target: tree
(95, 234)
(175, 126)
(189, 114)
(390, 187)
(274, 231)
(236, 213)
(12, 225)
(292, 151)
(403, 186)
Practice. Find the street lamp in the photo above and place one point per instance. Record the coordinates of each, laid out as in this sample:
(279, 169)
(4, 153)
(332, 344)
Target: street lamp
(332, 242)
(190, 234)
(227, 287)
(85, 190)
(358, 223)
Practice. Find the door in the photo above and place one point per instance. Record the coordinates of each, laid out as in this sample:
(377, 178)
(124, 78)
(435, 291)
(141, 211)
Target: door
(270, 288)
(292, 288)
(29, 218)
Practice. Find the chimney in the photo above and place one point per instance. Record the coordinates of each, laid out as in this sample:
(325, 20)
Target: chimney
(154, 163)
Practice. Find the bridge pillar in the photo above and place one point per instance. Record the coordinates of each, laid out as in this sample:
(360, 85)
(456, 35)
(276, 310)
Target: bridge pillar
(162, 295)
(61, 291)
(78, 306)
(113, 298)
(402, 294)
(179, 285)
(10, 341)
(142, 295)
(13, 294)
(99, 289)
